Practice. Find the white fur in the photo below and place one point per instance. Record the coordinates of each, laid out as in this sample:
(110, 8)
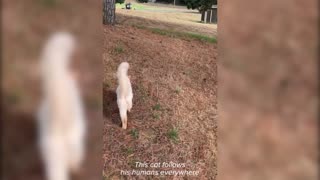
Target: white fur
(124, 93)
(61, 118)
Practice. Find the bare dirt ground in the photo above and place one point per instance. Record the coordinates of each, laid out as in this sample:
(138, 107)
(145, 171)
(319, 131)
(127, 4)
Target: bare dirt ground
(26, 26)
(175, 88)
(168, 17)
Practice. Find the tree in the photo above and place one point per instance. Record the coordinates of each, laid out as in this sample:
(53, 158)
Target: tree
(109, 12)
(201, 5)
(166, 1)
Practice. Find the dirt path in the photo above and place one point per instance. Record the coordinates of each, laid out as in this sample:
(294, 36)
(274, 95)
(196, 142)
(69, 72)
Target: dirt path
(174, 112)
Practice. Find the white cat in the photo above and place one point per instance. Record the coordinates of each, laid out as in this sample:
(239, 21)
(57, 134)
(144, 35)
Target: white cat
(124, 93)
(61, 119)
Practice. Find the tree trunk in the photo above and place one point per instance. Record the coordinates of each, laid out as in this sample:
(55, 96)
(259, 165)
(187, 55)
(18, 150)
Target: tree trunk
(109, 12)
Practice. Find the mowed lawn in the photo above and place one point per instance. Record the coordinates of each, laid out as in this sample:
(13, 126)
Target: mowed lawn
(171, 17)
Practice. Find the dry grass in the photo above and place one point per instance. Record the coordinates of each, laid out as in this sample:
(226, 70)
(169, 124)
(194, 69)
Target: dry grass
(167, 17)
(174, 105)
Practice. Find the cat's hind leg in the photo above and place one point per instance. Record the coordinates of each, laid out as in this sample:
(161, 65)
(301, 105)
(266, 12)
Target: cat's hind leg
(122, 104)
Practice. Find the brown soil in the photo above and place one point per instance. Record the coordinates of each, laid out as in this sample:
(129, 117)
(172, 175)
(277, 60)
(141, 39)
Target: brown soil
(175, 85)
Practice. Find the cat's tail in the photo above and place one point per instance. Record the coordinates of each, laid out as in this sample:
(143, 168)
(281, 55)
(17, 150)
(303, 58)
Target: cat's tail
(57, 52)
(123, 69)
(122, 75)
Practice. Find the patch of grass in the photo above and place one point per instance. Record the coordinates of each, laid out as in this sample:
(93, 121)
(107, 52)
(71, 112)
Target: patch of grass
(106, 85)
(161, 32)
(157, 107)
(134, 133)
(201, 37)
(120, 6)
(177, 90)
(128, 150)
(139, 26)
(119, 49)
(173, 134)
(182, 35)
(155, 116)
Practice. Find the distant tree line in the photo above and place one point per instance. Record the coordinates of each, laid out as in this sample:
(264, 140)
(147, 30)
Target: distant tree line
(201, 5)
(120, 1)
(165, 1)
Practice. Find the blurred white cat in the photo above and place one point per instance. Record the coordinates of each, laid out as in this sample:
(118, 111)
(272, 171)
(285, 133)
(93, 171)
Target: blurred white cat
(62, 124)
(124, 93)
